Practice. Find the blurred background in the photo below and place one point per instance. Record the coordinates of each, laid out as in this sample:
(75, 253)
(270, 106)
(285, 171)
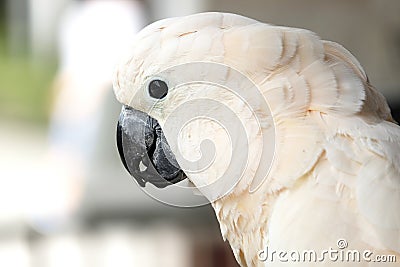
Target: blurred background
(65, 198)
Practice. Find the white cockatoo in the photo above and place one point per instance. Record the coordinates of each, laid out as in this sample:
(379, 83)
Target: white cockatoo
(320, 175)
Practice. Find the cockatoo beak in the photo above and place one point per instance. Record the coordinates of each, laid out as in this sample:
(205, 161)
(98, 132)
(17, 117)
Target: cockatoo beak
(144, 150)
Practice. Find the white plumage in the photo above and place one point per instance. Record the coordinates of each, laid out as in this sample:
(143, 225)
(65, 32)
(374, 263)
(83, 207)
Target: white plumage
(336, 171)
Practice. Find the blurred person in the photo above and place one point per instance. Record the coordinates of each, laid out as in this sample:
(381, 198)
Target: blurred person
(92, 36)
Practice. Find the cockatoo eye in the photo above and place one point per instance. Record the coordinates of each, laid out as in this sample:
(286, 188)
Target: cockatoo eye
(158, 89)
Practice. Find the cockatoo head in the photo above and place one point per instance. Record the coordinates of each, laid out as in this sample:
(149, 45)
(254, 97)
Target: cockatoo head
(236, 105)
(191, 105)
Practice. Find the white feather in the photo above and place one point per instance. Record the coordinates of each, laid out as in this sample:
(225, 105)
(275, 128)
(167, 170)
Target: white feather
(336, 171)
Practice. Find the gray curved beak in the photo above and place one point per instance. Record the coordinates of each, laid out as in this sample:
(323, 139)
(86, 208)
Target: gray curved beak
(144, 150)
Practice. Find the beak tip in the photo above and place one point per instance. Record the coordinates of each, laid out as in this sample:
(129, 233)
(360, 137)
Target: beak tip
(141, 182)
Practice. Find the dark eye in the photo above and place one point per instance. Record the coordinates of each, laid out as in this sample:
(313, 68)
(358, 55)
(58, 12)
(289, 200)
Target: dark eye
(158, 89)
